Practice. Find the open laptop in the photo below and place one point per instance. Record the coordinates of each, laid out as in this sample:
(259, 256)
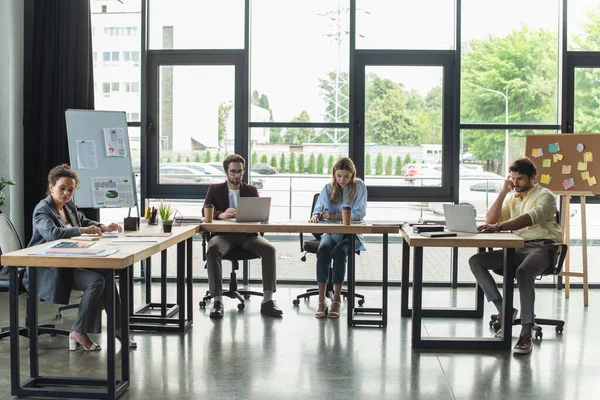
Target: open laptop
(253, 209)
(460, 218)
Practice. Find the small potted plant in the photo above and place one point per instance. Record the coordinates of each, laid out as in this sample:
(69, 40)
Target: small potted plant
(3, 183)
(166, 216)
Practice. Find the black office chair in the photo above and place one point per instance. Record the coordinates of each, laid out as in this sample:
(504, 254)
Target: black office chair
(10, 241)
(311, 246)
(235, 255)
(58, 313)
(553, 269)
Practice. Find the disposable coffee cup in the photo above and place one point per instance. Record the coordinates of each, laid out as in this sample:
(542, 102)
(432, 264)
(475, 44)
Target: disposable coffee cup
(347, 215)
(209, 211)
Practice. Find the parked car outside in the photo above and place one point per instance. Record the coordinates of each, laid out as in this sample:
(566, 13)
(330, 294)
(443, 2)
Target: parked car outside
(213, 170)
(263, 168)
(181, 174)
(410, 170)
(258, 182)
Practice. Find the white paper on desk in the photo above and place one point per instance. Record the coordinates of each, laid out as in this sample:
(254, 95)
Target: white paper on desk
(135, 239)
(86, 237)
(110, 235)
(104, 253)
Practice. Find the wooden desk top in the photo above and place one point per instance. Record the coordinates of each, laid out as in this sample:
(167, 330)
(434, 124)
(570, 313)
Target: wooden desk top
(500, 239)
(128, 254)
(297, 227)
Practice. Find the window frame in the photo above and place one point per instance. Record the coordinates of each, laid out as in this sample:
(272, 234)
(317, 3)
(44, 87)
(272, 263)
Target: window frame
(156, 60)
(417, 58)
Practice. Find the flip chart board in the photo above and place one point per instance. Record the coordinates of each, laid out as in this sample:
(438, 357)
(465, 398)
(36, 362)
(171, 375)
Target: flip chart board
(99, 153)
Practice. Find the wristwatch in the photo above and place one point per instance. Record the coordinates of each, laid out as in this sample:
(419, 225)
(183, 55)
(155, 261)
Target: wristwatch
(499, 226)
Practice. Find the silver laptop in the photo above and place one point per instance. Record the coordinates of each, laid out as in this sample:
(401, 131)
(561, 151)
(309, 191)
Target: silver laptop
(253, 209)
(460, 218)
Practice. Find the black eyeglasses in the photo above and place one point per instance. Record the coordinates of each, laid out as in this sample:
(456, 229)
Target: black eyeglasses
(236, 172)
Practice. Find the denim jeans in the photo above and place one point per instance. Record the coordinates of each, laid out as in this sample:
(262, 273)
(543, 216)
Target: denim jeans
(329, 248)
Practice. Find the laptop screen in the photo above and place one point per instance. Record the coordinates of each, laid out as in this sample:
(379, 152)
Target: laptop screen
(253, 209)
(460, 218)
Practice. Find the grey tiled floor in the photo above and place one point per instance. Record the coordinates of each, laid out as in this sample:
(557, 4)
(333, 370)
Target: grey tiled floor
(247, 356)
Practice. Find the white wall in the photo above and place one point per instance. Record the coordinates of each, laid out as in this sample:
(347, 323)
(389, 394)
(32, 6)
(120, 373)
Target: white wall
(11, 106)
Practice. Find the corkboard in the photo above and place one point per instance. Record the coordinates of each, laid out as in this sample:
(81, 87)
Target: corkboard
(553, 148)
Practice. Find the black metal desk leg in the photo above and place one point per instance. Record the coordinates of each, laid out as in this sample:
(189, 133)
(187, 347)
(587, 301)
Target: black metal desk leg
(15, 367)
(417, 295)
(130, 292)
(181, 283)
(405, 284)
(479, 297)
(507, 288)
(385, 279)
(163, 283)
(148, 280)
(351, 281)
(125, 283)
(189, 265)
(454, 267)
(109, 292)
(32, 317)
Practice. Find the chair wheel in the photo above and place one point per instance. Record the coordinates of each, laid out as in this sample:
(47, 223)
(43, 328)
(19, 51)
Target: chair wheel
(58, 315)
(202, 304)
(361, 302)
(539, 335)
(559, 329)
(246, 296)
(296, 302)
(241, 306)
(495, 326)
(303, 258)
(207, 292)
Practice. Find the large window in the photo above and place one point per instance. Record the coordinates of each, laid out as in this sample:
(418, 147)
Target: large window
(299, 64)
(509, 62)
(583, 25)
(393, 24)
(293, 85)
(196, 24)
(120, 56)
(403, 125)
(195, 122)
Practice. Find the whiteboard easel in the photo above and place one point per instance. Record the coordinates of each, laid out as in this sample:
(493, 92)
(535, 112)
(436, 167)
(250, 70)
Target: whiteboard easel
(88, 126)
(565, 223)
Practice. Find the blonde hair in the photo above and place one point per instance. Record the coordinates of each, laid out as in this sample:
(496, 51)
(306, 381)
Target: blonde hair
(337, 192)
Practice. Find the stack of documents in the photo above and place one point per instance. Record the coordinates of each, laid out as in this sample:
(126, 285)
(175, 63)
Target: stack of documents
(76, 248)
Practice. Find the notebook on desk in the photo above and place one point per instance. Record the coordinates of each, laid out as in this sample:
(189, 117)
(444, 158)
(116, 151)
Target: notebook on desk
(188, 219)
(253, 209)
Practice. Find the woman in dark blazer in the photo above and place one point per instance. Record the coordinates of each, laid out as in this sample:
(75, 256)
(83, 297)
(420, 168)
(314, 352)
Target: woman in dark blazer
(56, 217)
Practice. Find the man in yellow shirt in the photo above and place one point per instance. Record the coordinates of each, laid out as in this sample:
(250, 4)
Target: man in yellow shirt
(531, 214)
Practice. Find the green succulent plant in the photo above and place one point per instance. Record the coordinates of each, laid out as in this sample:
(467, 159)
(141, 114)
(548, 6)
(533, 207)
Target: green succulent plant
(166, 212)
